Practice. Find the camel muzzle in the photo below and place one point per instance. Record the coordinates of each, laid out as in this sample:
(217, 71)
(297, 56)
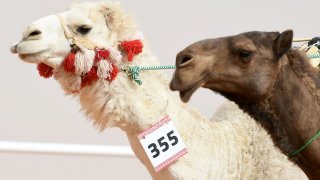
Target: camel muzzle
(13, 49)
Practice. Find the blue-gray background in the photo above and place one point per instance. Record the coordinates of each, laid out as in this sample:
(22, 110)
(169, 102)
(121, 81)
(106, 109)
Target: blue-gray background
(34, 109)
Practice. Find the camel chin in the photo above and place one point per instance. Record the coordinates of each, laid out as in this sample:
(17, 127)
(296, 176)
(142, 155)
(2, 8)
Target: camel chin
(34, 58)
(186, 94)
(186, 90)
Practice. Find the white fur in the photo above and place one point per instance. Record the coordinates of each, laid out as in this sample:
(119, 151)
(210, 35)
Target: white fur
(68, 81)
(137, 35)
(235, 147)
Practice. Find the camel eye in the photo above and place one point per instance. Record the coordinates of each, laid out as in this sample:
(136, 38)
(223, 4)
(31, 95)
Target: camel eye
(245, 53)
(84, 30)
(35, 33)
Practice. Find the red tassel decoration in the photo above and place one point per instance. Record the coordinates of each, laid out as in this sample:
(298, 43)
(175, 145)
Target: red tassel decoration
(45, 70)
(113, 73)
(68, 63)
(132, 48)
(90, 77)
(101, 54)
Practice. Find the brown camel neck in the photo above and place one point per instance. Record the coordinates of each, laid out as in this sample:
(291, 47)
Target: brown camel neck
(291, 111)
(293, 103)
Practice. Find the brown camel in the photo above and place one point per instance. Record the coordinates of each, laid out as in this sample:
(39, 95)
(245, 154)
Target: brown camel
(268, 79)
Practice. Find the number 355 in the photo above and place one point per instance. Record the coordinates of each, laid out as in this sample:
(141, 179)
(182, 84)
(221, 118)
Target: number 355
(163, 144)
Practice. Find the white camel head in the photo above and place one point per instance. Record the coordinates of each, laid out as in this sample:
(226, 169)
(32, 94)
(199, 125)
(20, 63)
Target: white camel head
(79, 38)
(44, 40)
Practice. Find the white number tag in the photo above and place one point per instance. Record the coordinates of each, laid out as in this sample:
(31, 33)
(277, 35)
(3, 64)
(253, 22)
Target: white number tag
(162, 143)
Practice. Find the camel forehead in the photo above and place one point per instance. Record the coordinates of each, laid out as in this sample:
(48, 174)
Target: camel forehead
(83, 5)
(252, 41)
(77, 12)
(249, 41)
(258, 38)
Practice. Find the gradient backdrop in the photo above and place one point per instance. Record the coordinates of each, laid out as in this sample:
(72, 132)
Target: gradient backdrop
(34, 109)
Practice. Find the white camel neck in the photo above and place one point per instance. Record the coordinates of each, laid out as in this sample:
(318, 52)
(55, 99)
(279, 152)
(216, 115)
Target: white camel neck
(132, 107)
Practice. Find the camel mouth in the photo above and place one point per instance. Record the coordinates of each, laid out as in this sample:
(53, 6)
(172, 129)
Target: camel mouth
(32, 57)
(29, 49)
(26, 56)
(186, 94)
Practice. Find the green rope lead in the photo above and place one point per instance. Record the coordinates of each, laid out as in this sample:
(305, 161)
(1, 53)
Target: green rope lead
(304, 146)
(133, 71)
(313, 56)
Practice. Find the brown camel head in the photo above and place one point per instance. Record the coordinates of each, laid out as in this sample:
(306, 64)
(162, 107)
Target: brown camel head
(246, 64)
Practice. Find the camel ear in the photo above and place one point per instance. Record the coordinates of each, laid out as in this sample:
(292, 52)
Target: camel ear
(282, 43)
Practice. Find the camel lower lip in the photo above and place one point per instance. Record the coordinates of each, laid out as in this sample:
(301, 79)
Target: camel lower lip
(27, 55)
(23, 56)
(186, 94)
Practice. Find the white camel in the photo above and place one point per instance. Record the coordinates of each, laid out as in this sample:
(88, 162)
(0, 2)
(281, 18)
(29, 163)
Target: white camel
(234, 147)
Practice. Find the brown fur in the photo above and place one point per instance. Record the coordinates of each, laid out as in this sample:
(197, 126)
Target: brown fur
(267, 79)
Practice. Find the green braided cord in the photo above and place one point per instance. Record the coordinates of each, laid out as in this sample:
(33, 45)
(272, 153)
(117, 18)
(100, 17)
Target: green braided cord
(133, 71)
(313, 56)
(304, 146)
(143, 68)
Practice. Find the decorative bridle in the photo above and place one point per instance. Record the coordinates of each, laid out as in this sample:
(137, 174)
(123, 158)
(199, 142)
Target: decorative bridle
(91, 62)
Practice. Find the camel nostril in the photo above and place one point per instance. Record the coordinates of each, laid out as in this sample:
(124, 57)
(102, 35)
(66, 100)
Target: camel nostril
(34, 33)
(185, 59)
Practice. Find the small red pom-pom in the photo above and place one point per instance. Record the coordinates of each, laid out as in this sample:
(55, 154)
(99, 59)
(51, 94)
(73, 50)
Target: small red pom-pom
(101, 54)
(113, 73)
(45, 70)
(68, 62)
(132, 48)
(90, 77)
